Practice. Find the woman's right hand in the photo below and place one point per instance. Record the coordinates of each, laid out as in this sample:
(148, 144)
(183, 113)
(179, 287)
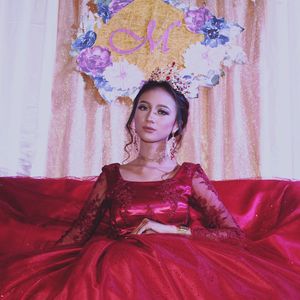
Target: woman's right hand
(141, 225)
(149, 226)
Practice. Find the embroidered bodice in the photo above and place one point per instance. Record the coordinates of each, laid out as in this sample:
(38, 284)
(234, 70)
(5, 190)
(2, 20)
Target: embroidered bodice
(188, 198)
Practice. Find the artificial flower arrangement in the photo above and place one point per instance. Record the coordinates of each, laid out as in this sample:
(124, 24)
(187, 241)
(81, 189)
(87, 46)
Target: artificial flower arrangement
(203, 62)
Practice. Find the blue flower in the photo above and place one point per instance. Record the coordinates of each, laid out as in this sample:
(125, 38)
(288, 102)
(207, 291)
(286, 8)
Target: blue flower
(86, 40)
(101, 83)
(104, 12)
(212, 30)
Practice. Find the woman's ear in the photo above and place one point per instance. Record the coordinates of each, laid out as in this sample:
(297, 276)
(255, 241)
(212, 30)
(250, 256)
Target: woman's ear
(175, 127)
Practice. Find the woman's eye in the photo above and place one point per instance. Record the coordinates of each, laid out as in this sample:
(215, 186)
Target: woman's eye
(141, 107)
(163, 112)
(144, 107)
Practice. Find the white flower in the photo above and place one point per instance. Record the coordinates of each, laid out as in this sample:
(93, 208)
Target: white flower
(88, 22)
(179, 4)
(199, 59)
(234, 54)
(232, 31)
(210, 80)
(123, 76)
(193, 88)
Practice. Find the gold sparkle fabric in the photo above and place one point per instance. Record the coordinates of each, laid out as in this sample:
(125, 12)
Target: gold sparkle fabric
(130, 18)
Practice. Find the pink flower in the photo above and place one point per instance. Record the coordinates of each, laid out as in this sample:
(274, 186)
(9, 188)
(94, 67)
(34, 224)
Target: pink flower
(93, 61)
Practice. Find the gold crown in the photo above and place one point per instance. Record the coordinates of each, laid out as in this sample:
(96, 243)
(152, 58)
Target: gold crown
(173, 76)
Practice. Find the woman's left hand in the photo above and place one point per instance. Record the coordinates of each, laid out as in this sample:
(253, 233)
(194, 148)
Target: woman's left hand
(149, 226)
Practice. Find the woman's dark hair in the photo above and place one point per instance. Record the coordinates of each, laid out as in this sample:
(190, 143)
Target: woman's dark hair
(182, 106)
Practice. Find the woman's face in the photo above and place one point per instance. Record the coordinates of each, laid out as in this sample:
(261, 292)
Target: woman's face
(156, 109)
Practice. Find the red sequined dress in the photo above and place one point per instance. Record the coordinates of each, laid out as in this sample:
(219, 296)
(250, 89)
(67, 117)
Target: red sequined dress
(211, 263)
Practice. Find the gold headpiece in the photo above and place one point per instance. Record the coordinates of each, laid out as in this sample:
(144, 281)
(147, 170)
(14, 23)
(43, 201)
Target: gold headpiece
(173, 76)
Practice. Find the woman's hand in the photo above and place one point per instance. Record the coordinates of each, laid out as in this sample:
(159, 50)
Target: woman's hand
(148, 226)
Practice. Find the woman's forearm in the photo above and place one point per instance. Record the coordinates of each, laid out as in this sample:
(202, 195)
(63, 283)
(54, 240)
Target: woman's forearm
(180, 230)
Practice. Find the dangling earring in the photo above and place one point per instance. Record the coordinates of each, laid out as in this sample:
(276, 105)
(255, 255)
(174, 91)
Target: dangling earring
(135, 141)
(171, 146)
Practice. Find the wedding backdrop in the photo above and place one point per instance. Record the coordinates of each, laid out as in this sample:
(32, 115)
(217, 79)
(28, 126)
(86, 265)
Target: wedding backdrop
(54, 122)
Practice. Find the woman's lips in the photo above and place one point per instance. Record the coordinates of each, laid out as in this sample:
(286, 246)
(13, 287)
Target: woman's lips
(149, 129)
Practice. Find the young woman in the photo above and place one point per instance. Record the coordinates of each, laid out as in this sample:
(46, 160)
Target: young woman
(168, 235)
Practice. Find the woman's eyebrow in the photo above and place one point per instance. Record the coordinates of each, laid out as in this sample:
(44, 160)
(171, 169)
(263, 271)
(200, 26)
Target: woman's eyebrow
(144, 101)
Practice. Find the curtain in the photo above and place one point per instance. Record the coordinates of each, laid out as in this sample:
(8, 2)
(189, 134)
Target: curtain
(245, 127)
(280, 91)
(27, 55)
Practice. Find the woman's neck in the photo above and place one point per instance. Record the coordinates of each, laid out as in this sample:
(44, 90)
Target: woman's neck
(160, 158)
(154, 154)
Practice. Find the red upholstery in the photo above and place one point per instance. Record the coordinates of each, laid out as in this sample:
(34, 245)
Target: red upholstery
(36, 210)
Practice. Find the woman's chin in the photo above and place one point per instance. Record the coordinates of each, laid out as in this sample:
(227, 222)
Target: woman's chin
(150, 140)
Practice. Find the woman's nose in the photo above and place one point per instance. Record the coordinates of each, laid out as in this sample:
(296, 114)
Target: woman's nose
(150, 116)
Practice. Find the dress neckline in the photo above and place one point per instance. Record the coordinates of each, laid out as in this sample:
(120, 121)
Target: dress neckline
(155, 181)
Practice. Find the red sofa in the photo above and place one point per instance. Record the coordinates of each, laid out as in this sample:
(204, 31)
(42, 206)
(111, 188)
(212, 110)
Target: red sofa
(34, 211)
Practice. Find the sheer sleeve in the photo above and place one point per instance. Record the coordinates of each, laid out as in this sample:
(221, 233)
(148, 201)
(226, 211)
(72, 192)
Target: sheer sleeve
(212, 220)
(86, 223)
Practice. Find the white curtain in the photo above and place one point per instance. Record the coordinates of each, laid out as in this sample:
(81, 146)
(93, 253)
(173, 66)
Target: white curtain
(280, 91)
(27, 55)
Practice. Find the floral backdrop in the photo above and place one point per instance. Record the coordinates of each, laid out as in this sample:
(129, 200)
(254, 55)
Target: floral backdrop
(119, 53)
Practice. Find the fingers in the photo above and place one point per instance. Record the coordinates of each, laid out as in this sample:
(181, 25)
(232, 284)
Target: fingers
(143, 228)
(149, 231)
(146, 226)
(140, 226)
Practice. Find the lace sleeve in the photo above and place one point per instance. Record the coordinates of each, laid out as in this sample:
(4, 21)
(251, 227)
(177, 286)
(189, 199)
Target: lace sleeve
(211, 212)
(92, 211)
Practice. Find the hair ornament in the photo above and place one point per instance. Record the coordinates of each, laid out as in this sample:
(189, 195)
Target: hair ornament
(172, 75)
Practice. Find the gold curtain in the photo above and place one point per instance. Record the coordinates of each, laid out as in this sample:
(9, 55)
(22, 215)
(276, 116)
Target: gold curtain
(223, 128)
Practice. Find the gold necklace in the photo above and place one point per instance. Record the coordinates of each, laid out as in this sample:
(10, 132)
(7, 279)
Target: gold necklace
(158, 159)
